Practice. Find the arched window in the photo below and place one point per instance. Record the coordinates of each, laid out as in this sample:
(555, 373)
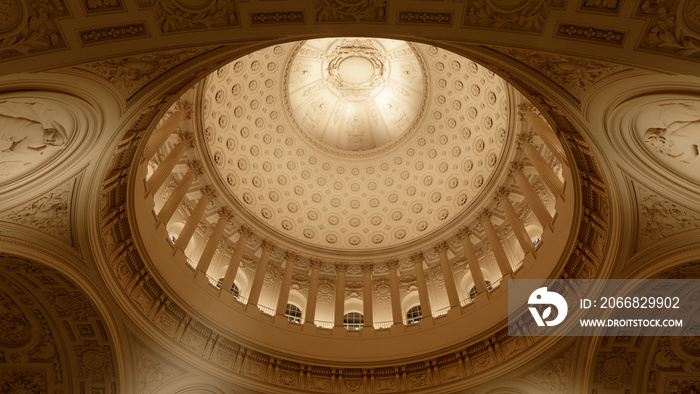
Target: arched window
(293, 313)
(414, 315)
(472, 292)
(235, 290)
(353, 321)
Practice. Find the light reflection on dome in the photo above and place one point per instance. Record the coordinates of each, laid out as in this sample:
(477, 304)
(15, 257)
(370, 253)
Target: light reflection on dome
(355, 94)
(327, 142)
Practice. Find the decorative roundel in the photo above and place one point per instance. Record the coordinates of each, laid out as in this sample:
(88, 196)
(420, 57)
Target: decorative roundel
(354, 142)
(355, 94)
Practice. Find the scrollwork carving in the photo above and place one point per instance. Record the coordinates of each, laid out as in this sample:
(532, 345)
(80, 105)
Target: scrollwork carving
(554, 377)
(660, 217)
(325, 291)
(151, 371)
(131, 73)
(176, 15)
(50, 213)
(671, 29)
(528, 16)
(355, 11)
(574, 74)
(34, 27)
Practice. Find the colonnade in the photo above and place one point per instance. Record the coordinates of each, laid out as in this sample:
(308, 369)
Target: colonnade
(466, 236)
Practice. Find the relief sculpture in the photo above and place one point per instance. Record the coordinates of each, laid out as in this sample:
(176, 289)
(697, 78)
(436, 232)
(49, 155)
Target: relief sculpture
(31, 133)
(679, 137)
(668, 129)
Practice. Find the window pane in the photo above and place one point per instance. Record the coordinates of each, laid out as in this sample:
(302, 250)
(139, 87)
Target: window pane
(414, 314)
(293, 313)
(353, 321)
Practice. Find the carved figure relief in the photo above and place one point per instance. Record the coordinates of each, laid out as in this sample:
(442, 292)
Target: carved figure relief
(673, 130)
(31, 133)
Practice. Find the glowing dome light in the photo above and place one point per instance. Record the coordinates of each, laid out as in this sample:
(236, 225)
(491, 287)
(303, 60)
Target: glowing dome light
(339, 145)
(355, 94)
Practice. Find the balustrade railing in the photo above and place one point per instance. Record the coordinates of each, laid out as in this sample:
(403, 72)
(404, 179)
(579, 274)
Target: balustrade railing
(382, 325)
(191, 263)
(522, 182)
(353, 326)
(441, 311)
(466, 301)
(518, 266)
(266, 310)
(323, 324)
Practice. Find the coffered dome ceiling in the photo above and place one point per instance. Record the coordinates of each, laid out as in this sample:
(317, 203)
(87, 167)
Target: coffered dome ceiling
(355, 144)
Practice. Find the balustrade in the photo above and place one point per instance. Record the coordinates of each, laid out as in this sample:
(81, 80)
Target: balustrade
(545, 172)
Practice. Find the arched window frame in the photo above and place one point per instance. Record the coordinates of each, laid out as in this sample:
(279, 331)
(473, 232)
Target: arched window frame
(293, 313)
(353, 321)
(472, 291)
(414, 314)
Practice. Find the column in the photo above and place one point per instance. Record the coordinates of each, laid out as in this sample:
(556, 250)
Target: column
(367, 292)
(213, 242)
(514, 220)
(161, 134)
(546, 133)
(447, 275)
(396, 312)
(290, 258)
(313, 291)
(166, 166)
(256, 288)
(533, 200)
(168, 209)
(495, 243)
(244, 234)
(472, 261)
(193, 221)
(340, 270)
(425, 308)
(546, 172)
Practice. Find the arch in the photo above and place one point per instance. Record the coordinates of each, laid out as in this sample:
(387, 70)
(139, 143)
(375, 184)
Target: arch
(353, 321)
(297, 298)
(414, 314)
(42, 332)
(293, 313)
(409, 300)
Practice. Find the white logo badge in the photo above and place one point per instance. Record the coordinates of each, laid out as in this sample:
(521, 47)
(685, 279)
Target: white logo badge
(543, 297)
